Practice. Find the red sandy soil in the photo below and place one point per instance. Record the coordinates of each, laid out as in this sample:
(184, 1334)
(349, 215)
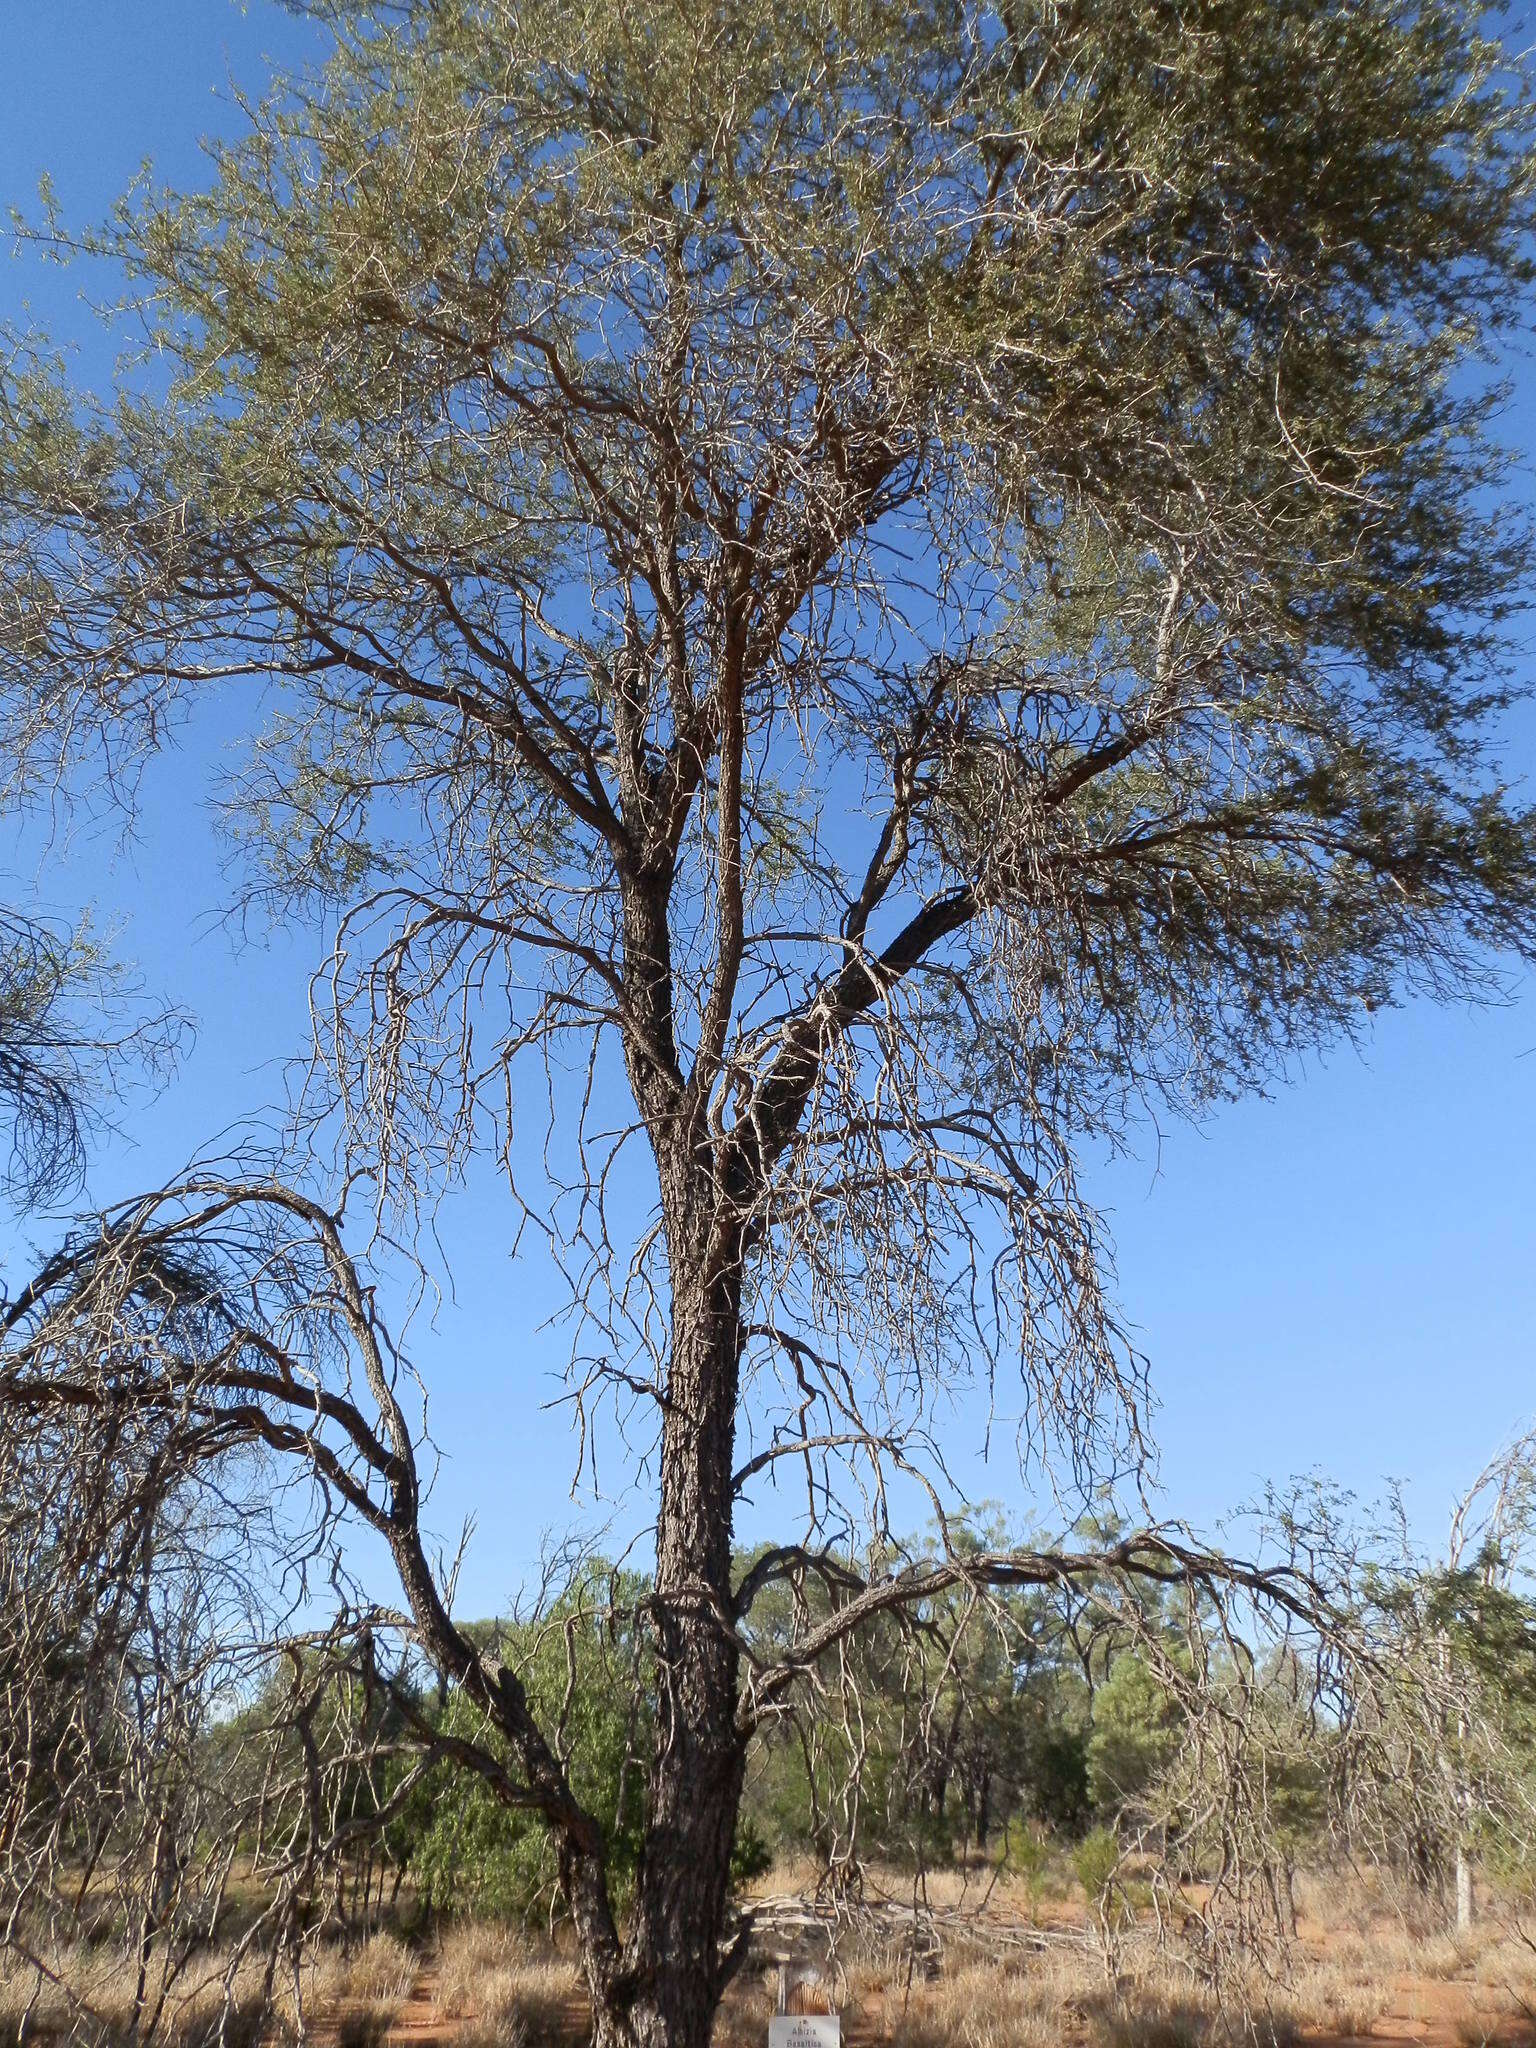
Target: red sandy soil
(1423, 2013)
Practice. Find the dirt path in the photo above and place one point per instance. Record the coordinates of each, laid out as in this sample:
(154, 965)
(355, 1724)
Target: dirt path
(1447, 2013)
(418, 2021)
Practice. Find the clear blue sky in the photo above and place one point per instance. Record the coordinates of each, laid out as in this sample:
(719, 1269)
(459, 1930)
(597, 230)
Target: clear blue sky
(1342, 1278)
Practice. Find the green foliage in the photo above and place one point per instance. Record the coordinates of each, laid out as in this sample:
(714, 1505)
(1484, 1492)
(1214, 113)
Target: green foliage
(467, 1850)
(1058, 1790)
(751, 1855)
(1150, 331)
(1096, 1860)
(958, 1733)
(1026, 1856)
(1478, 1621)
(1135, 1734)
(1490, 1629)
(472, 1851)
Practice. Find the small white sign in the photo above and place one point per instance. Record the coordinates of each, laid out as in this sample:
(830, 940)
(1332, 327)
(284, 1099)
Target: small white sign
(805, 2030)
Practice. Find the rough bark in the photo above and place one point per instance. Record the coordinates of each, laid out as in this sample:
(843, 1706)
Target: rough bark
(675, 1962)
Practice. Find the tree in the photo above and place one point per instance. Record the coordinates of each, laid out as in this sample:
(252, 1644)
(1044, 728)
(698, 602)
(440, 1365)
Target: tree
(1473, 1609)
(142, 1597)
(68, 1038)
(586, 1680)
(889, 587)
(1135, 1733)
(940, 1725)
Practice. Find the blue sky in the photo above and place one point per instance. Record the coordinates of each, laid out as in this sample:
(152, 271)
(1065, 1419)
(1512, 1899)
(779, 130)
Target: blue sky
(1342, 1278)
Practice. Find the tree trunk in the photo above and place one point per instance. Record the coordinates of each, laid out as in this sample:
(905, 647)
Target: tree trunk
(1463, 1890)
(673, 1970)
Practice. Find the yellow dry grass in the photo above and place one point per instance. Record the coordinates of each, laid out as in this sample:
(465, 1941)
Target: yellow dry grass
(1363, 1966)
(500, 1987)
(381, 1972)
(88, 1995)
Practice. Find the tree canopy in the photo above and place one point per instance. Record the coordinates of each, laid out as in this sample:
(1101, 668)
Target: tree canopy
(890, 586)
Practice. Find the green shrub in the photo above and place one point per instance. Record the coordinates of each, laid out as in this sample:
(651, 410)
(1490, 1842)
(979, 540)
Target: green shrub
(1096, 1859)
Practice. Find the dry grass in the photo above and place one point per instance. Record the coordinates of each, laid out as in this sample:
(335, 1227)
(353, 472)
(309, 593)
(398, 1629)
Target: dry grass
(1359, 1961)
(796, 1874)
(1508, 1959)
(1001, 1888)
(381, 1972)
(1059, 1996)
(1324, 1995)
(984, 2007)
(1368, 1951)
(502, 1988)
(87, 1995)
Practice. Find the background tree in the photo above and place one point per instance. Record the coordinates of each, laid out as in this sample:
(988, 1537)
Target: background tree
(1468, 1615)
(891, 587)
(175, 1710)
(71, 1039)
(583, 1664)
(940, 1727)
(1135, 1734)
